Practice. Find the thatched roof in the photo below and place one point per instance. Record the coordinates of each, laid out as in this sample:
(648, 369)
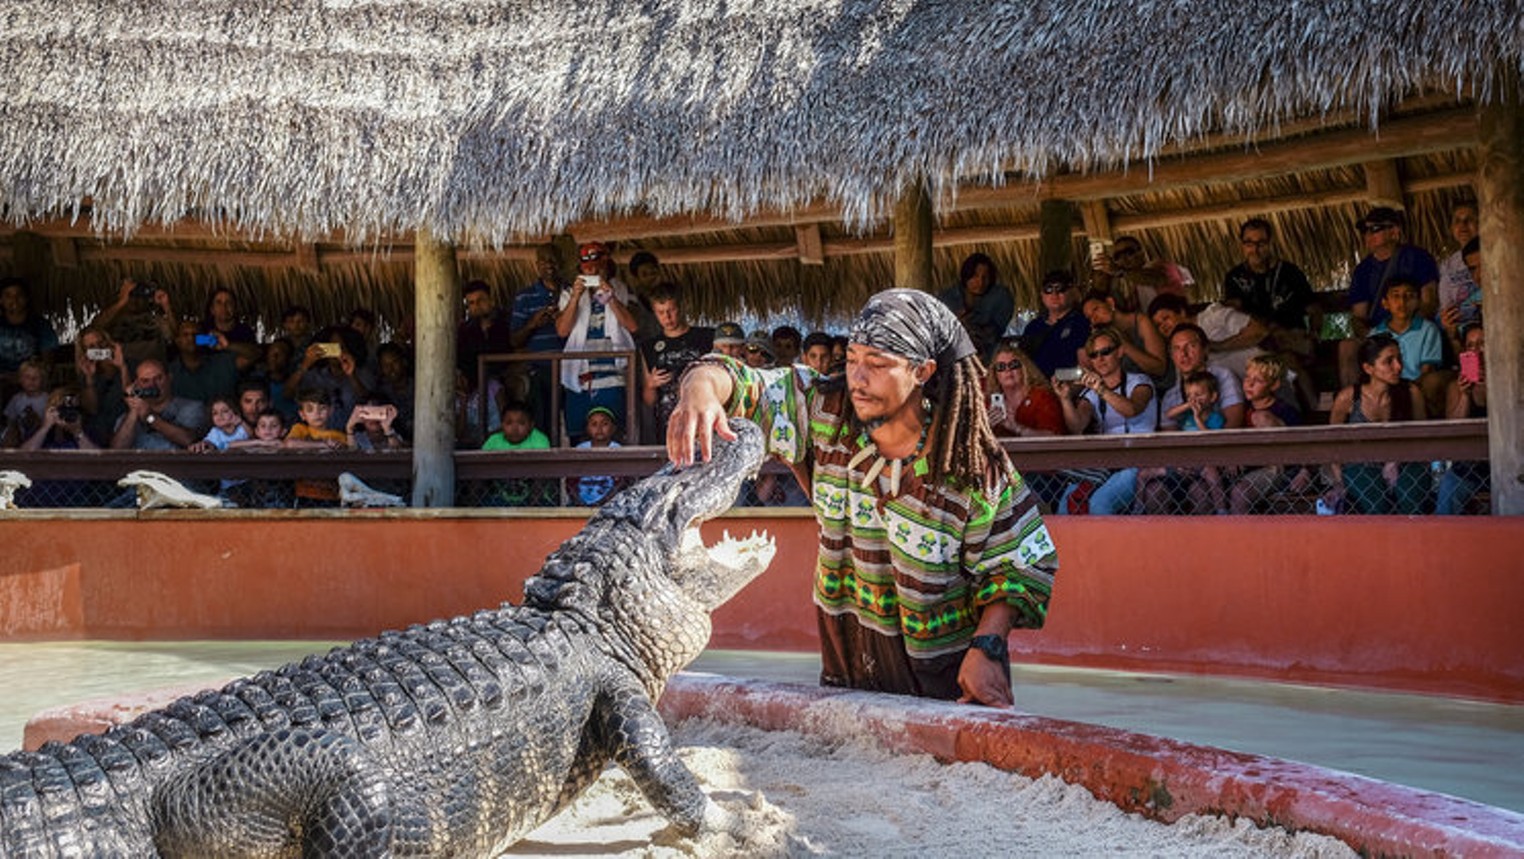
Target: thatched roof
(491, 121)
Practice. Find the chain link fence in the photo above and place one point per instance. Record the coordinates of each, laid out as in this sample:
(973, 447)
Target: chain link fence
(1370, 469)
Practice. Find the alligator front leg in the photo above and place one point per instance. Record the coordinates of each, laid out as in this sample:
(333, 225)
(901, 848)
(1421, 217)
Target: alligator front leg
(306, 790)
(638, 741)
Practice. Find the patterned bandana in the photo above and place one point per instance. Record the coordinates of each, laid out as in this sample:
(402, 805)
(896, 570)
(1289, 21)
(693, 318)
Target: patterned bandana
(914, 325)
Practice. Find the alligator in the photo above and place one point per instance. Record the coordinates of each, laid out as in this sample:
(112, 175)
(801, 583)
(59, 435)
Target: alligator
(452, 738)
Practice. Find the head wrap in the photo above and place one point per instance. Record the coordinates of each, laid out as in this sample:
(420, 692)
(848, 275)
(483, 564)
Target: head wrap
(914, 325)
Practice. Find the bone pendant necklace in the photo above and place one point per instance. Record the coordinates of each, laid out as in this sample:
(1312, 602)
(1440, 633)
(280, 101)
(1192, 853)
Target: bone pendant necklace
(896, 466)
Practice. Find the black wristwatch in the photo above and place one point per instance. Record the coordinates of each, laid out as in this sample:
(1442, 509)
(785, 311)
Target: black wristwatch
(992, 646)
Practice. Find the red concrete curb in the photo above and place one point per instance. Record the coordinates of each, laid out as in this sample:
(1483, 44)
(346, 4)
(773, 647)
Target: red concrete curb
(1159, 778)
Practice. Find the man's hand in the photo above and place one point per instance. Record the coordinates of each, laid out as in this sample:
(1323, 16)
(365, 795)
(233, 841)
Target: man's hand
(984, 681)
(656, 378)
(700, 413)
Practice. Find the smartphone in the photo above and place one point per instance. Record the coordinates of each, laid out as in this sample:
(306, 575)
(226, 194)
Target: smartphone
(98, 354)
(997, 407)
(1471, 367)
(1067, 374)
(592, 281)
(208, 340)
(330, 350)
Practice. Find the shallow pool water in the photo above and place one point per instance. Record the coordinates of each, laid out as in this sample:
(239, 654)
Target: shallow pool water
(1463, 748)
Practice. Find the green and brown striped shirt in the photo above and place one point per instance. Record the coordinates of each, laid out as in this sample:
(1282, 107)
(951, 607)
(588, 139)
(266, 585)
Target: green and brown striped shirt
(922, 564)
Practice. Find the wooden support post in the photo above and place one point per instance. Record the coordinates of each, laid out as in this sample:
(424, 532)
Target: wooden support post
(912, 238)
(811, 251)
(307, 258)
(1500, 193)
(1056, 249)
(436, 304)
(64, 252)
(1098, 230)
(1383, 187)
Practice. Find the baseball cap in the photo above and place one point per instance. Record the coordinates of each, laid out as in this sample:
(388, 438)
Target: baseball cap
(761, 341)
(728, 334)
(1381, 216)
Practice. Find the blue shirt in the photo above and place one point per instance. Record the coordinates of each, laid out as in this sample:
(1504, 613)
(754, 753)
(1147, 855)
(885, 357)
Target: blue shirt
(986, 320)
(1411, 264)
(1420, 344)
(531, 300)
(1055, 346)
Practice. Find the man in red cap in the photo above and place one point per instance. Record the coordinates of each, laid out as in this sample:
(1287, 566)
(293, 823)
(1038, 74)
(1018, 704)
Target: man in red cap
(594, 317)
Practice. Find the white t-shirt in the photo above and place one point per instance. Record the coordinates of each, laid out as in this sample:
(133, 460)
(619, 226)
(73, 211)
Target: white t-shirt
(1221, 322)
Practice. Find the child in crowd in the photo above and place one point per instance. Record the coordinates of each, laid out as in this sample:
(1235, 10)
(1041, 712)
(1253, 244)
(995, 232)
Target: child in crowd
(227, 427)
(269, 431)
(1263, 378)
(1189, 490)
(593, 490)
(371, 425)
(24, 411)
(312, 432)
(519, 433)
(1420, 341)
(269, 434)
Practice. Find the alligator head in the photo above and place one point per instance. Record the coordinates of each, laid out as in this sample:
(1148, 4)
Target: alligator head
(672, 503)
(639, 571)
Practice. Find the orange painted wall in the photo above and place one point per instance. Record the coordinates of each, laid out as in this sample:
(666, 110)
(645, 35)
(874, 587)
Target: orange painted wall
(1425, 605)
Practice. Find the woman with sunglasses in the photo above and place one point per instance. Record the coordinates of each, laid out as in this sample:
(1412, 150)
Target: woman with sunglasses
(1021, 401)
(1115, 403)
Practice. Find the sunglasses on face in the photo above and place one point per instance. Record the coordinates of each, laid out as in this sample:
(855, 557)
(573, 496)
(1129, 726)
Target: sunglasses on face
(1123, 252)
(1054, 288)
(593, 257)
(1372, 229)
(1104, 353)
(1003, 366)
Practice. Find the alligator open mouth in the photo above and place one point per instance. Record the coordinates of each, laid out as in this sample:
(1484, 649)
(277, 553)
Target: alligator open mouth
(713, 574)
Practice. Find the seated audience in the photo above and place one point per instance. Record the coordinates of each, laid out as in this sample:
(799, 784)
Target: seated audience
(1188, 347)
(1021, 400)
(1459, 294)
(1263, 409)
(103, 382)
(593, 490)
(221, 317)
(372, 425)
(1420, 340)
(1056, 338)
(141, 319)
(786, 340)
(759, 350)
(1192, 491)
(227, 427)
(1233, 337)
(730, 339)
(1461, 304)
(155, 419)
(63, 425)
(394, 380)
(1133, 279)
(25, 334)
(334, 363)
(23, 411)
(519, 433)
(1275, 292)
(312, 432)
(1390, 259)
(1381, 395)
(817, 352)
(296, 327)
(269, 432)
(1114, 403)
(1467, 398)
(203, 371)
(981, 302)
(253, 398)
(1142, 345)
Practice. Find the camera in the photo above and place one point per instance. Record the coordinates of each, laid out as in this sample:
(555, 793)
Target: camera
(98, 354)
(1067, 374)
(330, 350)
(207, 340)
(145, 393)
(68, 409)
(144, 290)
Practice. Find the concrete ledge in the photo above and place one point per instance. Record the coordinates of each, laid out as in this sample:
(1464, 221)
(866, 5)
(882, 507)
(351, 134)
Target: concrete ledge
(1159, 778)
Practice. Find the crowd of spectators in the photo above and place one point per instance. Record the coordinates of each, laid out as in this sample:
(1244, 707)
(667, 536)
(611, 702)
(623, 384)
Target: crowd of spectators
(1118, 350)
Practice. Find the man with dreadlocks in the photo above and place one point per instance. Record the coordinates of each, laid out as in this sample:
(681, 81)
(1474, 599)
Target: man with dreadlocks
(931, 547)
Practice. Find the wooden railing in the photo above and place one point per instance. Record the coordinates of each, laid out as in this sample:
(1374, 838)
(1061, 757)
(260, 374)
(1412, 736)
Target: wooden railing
(1418, 441)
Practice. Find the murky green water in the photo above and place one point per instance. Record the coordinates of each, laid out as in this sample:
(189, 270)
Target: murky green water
(1463, 748)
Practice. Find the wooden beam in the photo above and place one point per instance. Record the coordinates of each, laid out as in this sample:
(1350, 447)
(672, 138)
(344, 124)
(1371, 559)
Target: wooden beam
(912, 237)
(1435, 183)
(307, 258)
(1383, 187)
(188, 256)
(64, 252)
(1500, 187)
(436, 306)
(810, 249)
(1398, 138)
(1238, 209)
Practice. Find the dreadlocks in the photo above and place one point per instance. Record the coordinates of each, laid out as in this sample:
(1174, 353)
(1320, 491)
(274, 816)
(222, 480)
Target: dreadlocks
(965, 448)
